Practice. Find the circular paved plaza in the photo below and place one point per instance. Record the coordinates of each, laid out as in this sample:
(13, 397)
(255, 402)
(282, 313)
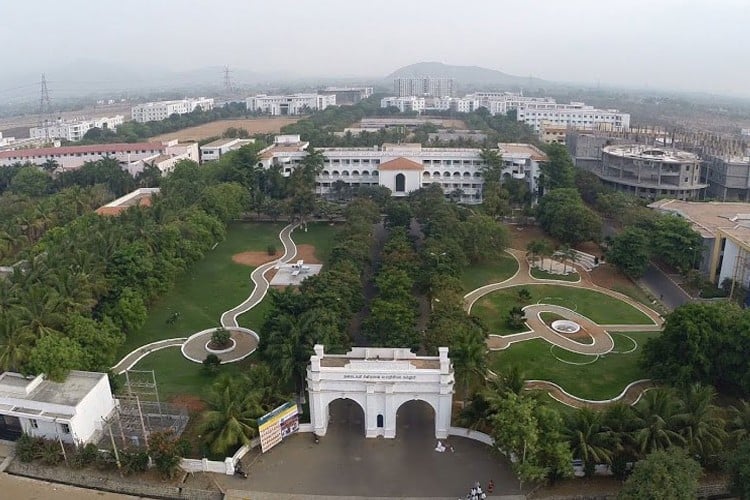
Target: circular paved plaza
(245, 342)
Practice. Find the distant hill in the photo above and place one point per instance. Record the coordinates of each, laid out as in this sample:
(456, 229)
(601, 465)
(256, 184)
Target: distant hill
(466, 75)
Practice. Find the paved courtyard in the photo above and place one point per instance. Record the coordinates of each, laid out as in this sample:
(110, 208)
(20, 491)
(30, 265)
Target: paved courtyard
(344, 463)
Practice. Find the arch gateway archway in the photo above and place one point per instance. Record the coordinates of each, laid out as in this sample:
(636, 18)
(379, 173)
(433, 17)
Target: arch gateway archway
(380, 380)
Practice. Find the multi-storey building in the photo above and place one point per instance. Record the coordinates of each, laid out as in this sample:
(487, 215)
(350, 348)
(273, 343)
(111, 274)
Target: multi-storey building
(728, 177)
(347, 95)
(404, 168)
(424, 86)
(294, 104)
(576, 115)
(404, 104)
(74, 130)
(218, 148)
(649, 172)
(132, 156)
(499, 103)
(161, 110)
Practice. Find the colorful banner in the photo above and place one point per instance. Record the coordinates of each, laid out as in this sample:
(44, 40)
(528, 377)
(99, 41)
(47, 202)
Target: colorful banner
(277, 424)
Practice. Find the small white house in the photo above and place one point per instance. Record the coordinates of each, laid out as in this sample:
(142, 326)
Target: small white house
(72, 410)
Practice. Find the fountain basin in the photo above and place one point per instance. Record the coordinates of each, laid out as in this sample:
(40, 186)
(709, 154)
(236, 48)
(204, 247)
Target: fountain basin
(565, 326)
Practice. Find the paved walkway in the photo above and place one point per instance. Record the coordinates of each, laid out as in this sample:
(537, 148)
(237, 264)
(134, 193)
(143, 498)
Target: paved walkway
(228, 318)
(630, 396)
(602, 340)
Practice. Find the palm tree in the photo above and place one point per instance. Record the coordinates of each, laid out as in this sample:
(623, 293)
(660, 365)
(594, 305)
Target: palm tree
(535, 248)
(40, 312)
(739, 421)
(567, 253)
(588, 438)
(619, 424)
(468, 351)
(231, 419)
(657, 421)
(15, 344)
(701, 425)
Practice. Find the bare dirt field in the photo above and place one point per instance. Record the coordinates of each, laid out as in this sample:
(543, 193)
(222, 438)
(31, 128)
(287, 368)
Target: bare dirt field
(213, 129)
(254, 259)
(520, 236)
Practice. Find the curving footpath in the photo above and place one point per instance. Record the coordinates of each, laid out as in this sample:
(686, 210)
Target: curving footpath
(629, 396)
(228, 318)
(602, 340)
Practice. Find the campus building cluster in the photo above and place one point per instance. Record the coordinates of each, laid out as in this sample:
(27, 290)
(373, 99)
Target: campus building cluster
(424, 86)
(161, 110)
(74, 130)
(536, 112)
(404, 168)
(133, 157)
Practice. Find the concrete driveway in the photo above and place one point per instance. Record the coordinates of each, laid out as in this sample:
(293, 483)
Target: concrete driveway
(346, 464)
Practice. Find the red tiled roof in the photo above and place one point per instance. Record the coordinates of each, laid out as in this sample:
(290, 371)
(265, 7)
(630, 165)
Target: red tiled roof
(92, 149)
(401, 163)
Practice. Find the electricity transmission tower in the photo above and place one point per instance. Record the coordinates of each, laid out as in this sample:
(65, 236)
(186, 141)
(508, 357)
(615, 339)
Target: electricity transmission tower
(45, 108)
(227, 81)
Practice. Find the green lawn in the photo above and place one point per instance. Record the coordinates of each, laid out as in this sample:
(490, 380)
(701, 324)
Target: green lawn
(490, 272)
(176, 375)
(321, 235)
(493, 308)
(541, 274)
(212, 286)
(603, 379)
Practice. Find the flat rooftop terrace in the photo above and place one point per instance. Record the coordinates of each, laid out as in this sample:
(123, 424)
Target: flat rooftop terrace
(708, 217)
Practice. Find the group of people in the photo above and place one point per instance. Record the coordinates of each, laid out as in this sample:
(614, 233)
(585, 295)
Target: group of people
(476, 492)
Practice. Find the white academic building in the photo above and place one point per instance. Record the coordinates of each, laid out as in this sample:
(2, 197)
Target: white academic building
(424, 86)
(404, 168)
(161, 110)
(71, 411)
(74, 130)
(575, 115)
(294, 104)
(218, 148)
(380, 380)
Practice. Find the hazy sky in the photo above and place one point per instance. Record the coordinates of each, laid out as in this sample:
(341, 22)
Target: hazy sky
(678, 44)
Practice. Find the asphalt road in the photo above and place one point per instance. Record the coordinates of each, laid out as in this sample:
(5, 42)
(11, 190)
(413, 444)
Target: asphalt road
(663, 288)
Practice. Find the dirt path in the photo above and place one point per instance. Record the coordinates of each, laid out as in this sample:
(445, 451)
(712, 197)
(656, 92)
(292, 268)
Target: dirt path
(369, 291)
(21, 488)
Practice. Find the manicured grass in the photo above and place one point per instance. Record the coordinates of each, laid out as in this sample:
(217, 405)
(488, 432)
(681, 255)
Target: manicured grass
(541, 274)
(176, 375)
(212, 286)
(321, 235)
(603, 379)
(493, 308)
(636, 293)
(490, 272)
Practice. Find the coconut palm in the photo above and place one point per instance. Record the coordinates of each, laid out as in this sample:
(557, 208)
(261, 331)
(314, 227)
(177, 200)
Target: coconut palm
(231, 419)
(657, 420)
(701, 425)
(15, 344)
(739, 421)
(588, 438)
(468, 351)
(535, 248)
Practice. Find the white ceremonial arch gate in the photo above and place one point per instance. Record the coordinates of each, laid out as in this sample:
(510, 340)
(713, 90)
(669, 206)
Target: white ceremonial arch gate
(380, 380)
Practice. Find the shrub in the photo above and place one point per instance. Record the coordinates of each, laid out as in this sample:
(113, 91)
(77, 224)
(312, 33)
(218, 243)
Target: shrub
(220, 338)
(211, 364)
(50, 453)
(27, 448)
(271, 249)
(524, 295)
(84, 456)
(516, 318)
(166, 451)
(133, 461)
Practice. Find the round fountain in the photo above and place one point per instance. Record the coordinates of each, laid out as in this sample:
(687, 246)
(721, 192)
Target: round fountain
(565, 326)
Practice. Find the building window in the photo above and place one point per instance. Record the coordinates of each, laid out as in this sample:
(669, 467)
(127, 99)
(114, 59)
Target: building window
(65, 428)
(33, 423)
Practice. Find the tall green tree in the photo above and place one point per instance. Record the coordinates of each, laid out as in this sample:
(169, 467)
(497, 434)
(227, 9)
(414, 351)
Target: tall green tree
(631, 251)
(558, 171)
(563, 215)
(588, 438)
(664, 474)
